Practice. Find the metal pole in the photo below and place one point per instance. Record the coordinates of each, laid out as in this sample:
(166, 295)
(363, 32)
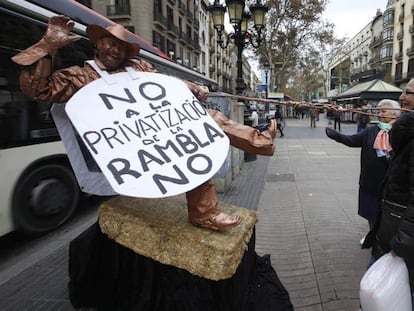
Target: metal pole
(239, 41)
(267, 92)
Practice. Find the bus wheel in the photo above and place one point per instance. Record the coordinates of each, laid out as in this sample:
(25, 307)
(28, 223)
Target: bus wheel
(45, 198)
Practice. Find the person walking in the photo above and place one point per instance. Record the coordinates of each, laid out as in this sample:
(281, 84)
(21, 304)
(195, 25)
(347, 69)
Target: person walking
(374, 159)
(114, 54)
(337, 118)
(362, 119)
(279, 120)
(312, 115)
(254, 117)
(329, 116)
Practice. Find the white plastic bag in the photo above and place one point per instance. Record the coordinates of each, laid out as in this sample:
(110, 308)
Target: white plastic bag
(385, 286)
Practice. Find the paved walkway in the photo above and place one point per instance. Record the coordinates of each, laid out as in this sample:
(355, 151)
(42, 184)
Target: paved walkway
(308, 218)
(306, 198)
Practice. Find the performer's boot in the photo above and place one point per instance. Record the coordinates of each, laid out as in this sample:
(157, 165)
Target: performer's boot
(203, 211)
(246, 137)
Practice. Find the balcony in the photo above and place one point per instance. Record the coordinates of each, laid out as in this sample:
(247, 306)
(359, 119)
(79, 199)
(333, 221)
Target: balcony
(410, 51)
(189, 40)
(190, 15)
(172, 29)
(160, 20)
(196, 45)
(411, 28)
(181, 7)
(386, 59)
(118, 10)
(182, 36)
(374, 59)
(375, 42)
(401, 18)
(398, 56)
(400, 35)
(387, 39)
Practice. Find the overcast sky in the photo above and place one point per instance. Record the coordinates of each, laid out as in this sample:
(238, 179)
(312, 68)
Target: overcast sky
(350, 16)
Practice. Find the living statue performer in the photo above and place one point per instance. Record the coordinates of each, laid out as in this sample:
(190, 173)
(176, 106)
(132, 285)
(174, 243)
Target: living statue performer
(114, 53)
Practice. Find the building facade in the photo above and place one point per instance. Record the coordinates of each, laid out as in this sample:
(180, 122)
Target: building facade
(182, 29)
(384, 49)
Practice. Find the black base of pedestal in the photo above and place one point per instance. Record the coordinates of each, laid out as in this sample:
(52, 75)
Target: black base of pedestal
(107, 276)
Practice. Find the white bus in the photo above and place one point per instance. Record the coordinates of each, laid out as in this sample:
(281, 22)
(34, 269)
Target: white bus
(38, 189)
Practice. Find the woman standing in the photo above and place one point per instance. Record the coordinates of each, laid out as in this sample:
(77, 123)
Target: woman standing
(375, 149)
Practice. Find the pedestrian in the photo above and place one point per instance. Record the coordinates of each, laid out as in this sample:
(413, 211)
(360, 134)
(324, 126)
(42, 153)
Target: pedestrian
(254, 117)
(337, 118)
(312, 115)
(374, 159)
(394, 229)
(329, 115)
(114, 54)
(279, 120)
(362, 119)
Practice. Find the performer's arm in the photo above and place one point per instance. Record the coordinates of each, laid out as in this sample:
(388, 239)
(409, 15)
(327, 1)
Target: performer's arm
(38, 58)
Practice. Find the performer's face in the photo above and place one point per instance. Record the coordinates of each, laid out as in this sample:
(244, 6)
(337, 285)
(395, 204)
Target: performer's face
(111, 52)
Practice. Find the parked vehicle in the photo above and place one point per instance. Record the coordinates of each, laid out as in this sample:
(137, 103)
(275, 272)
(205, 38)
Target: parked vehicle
(38, 189)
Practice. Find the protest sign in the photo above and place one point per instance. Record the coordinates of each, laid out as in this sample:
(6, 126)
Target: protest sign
(150, 136)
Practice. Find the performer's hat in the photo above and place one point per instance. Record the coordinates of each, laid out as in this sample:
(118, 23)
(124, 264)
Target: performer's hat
(96, 32)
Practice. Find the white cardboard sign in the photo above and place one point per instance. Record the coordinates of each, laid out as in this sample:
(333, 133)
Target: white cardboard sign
(149, 135)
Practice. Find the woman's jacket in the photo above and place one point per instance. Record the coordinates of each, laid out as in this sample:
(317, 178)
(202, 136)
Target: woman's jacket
(373, 168)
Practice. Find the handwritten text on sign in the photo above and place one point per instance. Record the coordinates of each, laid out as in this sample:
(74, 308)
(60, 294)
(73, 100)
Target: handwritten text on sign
(150, 136)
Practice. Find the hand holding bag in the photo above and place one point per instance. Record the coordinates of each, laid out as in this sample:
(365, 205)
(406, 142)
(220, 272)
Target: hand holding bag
(385, 286)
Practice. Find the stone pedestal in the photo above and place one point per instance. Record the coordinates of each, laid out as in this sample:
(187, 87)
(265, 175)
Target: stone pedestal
(159, 229)
(144, 255)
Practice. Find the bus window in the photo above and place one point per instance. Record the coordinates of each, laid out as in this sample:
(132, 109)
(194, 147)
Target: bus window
(27, 121)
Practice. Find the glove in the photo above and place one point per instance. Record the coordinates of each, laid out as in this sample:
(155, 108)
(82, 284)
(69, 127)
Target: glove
(57, 36)
(332, 134)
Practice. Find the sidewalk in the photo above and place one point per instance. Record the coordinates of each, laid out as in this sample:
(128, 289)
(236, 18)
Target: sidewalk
(306, 198)
(308, 218)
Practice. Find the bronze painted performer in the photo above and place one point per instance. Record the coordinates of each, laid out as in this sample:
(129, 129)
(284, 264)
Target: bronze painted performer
(39, 81)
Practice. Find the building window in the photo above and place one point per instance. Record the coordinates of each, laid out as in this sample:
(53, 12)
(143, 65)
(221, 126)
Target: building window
(158, 41)
(386, 51)
(388, 17)
(170, 15)
(388, 34)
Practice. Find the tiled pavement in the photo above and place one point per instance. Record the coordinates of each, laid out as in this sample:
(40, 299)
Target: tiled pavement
(306, 198)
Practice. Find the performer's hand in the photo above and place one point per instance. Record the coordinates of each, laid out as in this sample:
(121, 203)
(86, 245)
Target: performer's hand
(57, 33)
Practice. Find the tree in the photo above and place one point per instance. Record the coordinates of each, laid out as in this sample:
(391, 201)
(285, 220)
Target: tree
(295, 31)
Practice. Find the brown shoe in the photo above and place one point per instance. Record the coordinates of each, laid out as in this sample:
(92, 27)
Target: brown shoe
(203, 211)
(220, 222)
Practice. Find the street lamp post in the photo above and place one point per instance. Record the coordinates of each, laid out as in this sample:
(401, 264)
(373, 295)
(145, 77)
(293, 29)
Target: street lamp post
(241, 35)
(266, 67)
